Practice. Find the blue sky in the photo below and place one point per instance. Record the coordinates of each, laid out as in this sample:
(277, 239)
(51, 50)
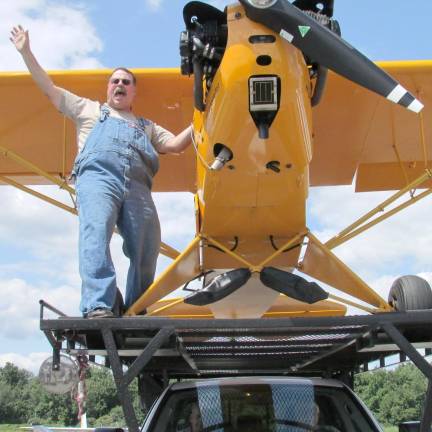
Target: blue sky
(382, 29)
(38, 243)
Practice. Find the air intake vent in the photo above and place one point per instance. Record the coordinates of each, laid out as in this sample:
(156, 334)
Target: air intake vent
(263, 94)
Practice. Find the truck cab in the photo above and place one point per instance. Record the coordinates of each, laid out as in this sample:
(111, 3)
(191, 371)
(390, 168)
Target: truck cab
(261, 404)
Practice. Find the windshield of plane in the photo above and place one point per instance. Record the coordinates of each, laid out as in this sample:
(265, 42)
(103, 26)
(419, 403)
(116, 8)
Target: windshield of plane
(261, 408)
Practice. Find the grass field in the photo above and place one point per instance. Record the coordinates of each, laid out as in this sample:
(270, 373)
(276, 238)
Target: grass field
(10, 428)
(13, 427)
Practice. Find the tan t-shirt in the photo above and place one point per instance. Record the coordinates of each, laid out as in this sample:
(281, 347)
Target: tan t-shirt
(86, 112)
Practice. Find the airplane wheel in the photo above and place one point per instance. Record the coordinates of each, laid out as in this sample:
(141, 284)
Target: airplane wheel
(410, 293)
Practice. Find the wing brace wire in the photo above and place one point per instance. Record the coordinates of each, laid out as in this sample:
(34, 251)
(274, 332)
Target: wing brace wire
(362, 224)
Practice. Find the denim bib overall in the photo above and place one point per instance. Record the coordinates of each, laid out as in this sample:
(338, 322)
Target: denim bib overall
(114, 175)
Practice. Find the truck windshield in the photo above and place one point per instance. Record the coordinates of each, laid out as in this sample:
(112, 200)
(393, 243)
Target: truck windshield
(261, 408)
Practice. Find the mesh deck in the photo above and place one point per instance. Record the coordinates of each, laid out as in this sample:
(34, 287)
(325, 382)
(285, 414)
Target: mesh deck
(320, 346)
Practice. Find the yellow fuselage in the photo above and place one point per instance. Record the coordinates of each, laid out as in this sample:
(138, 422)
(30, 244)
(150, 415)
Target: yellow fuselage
(247, 200)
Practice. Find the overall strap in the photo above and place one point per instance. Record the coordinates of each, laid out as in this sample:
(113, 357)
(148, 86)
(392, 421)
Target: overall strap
(104, 113)
(145, 125)
(143, 122)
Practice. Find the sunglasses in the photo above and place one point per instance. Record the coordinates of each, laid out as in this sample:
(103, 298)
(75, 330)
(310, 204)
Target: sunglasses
(124, 81)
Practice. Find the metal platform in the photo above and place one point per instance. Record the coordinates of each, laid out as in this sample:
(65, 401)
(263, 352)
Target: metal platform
(164, 348)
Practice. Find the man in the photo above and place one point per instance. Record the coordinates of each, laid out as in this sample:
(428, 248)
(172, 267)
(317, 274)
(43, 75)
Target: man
(195, 421)
(117, 159)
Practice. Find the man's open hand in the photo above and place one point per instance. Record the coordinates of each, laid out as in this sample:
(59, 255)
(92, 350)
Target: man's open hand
(20, 38)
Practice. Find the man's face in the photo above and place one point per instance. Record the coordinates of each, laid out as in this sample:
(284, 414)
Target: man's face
(121, 91)
(195, 419)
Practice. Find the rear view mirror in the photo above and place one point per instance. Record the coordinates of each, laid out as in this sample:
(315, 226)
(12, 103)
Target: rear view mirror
(109, 429)
(411, 426)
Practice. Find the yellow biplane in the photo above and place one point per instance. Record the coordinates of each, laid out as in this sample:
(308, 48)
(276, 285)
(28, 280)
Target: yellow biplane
(280, 102)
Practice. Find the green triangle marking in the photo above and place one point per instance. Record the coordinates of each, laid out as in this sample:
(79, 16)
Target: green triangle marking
(304, 30)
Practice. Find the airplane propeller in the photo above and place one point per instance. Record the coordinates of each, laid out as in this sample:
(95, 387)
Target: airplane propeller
(325, 47)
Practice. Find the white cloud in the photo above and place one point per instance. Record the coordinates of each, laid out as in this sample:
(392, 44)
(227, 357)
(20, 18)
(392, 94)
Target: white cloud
(396, 245)
(20, 313)
(39, 243)
(176, 214)
(44, 264)
(154, 5)
(30, 362)
(380, 255)
(62, 36)
(46, 238)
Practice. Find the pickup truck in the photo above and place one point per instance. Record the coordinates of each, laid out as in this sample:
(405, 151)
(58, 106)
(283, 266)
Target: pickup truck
(264, 360)
(259, 404)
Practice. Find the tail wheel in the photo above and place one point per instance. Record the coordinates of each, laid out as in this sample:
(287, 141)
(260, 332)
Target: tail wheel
(410, 293)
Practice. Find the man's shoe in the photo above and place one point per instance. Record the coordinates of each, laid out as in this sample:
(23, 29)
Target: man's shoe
(100, 313)
(119, 307)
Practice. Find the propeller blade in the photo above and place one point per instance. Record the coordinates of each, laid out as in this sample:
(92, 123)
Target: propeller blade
(325, 47)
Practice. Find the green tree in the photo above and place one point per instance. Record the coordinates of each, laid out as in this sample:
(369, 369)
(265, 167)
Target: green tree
(101, 393)
(103, 405)
(13, 400)
(24, 400)
(14, 376)
(393, 396)
(48, 408)
(371, 388)
(6, 409)
(115, 418)
(406, 390)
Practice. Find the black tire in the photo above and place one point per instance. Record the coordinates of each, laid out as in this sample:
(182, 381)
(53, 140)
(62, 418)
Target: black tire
(410, 293)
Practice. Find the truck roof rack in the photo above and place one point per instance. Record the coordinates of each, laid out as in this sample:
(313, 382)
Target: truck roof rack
(166, 348)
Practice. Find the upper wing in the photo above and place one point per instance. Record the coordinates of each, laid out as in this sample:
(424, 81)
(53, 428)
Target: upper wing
(32, 128)
(357, 132)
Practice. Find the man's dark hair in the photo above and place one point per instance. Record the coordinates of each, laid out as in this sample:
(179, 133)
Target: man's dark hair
(125, 70)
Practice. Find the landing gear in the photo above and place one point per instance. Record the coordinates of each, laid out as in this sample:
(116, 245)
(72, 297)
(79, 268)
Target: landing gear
(410, 293)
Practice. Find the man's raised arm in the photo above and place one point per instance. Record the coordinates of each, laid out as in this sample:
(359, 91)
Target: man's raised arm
(20, 38)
